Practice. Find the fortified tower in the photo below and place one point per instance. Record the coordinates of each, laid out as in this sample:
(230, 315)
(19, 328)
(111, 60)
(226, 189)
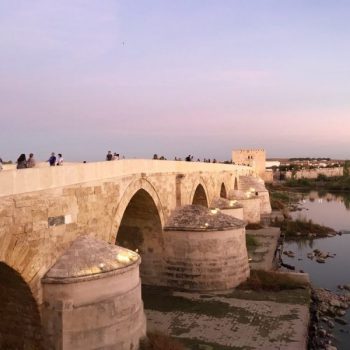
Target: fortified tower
(256, 158)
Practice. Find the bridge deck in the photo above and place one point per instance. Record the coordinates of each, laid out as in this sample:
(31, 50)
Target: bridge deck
(42, 178)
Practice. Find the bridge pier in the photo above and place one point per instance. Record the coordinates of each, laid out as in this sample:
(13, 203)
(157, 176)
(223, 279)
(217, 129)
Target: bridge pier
(92, 298)
(205, 250)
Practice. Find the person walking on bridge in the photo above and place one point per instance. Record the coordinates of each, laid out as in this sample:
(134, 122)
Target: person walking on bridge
(52, 159)
(59, 159)
(31, 161)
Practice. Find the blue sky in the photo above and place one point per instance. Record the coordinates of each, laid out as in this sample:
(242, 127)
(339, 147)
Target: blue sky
(174, 77)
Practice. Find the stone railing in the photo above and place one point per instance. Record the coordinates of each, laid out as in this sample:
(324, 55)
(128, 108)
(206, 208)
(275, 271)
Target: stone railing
(40, 178)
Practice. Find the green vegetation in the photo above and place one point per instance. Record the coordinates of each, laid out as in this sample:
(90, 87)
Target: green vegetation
(251, 241)
(322, 182)
(285, 296)
(282, 200)
(159, 341)
(196, 344)
(271, 281)
(301, 228)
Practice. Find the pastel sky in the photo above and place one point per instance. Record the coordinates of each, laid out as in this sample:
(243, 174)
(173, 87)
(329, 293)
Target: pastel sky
(203, 77)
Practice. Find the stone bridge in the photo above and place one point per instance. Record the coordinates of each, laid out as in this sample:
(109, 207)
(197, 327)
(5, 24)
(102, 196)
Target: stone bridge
(128, 202)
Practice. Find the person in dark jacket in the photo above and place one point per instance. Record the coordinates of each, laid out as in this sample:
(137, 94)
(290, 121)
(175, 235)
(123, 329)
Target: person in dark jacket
(21, 161)
(52, 159)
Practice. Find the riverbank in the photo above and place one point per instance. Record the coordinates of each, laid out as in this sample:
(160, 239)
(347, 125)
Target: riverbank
(326, 261)
(242, 319)
(269, 311)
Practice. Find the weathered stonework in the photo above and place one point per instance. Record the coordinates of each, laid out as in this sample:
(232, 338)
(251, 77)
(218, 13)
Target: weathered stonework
(93, 298)
(205, 250)
(313, 173)
(256, 185)
(229, 207)
(251, 204)
(95, 198)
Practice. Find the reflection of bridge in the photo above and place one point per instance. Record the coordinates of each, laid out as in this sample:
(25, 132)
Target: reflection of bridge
(43, 210)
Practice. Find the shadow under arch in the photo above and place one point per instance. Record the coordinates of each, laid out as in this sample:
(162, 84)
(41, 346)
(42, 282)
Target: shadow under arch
(20, 322)
(223, 192)
(235, 186)
(140, 229)
(200, 196)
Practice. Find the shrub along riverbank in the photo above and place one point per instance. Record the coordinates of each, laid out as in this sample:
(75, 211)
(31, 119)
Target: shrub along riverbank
(302, 229)
(299, 228)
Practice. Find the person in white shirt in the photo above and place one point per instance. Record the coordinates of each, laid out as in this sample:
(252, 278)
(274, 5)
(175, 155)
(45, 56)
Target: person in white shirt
(59, 159)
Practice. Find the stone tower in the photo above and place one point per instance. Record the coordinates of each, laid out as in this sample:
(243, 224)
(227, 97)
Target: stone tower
(256, 158)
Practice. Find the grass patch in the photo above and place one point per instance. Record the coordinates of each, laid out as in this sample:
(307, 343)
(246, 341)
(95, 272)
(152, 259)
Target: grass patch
(341, 183)
(161, 299)
(159, 341)
(280, 199)
(196, 344)
(296, 296)
(271, 281)
(251, 241)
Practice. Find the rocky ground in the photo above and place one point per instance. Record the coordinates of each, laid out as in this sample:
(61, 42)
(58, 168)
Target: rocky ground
(327, 309)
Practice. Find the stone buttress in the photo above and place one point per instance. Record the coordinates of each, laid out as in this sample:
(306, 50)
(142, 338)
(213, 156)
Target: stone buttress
(92, 298)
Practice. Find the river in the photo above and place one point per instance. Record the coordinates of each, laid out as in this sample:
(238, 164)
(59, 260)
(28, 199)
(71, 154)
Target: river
(332, 211)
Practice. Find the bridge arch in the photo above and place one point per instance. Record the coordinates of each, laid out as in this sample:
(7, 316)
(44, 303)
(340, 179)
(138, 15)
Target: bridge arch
(235, 186)
(126, 198)
(199, 195)
(139, 228)
(20, 323)
(223, 191)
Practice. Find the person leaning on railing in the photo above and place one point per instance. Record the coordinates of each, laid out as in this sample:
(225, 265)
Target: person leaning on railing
(22, 162)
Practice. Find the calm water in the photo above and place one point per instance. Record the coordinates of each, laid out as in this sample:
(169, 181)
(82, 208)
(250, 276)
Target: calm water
(332, 211)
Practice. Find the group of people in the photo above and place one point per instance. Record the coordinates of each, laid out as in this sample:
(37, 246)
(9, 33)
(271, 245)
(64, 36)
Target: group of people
(110, 156)
(55, 161)
(30, 162)
(23, 162)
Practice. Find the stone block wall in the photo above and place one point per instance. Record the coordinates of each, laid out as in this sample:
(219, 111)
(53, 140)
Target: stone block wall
(209, 260)
(235, 212)
(251, 209)
(265, 205)
(37, 227)
(313, 173)
(105, 312)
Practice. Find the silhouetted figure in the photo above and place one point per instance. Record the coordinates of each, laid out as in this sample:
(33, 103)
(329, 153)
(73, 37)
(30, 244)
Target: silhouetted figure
(21, 161)
(52, 159)
(155, 156)
(31, 161)
(109, 156)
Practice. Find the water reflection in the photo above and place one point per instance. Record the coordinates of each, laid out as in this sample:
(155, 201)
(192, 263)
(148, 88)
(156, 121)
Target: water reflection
(324, 208)
(330, 210)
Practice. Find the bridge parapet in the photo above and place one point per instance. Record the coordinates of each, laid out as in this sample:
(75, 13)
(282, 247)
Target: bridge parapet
(37, 179)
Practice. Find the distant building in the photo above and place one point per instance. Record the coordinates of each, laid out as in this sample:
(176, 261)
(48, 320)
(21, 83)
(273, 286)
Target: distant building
(256, 158)
(272, 163)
